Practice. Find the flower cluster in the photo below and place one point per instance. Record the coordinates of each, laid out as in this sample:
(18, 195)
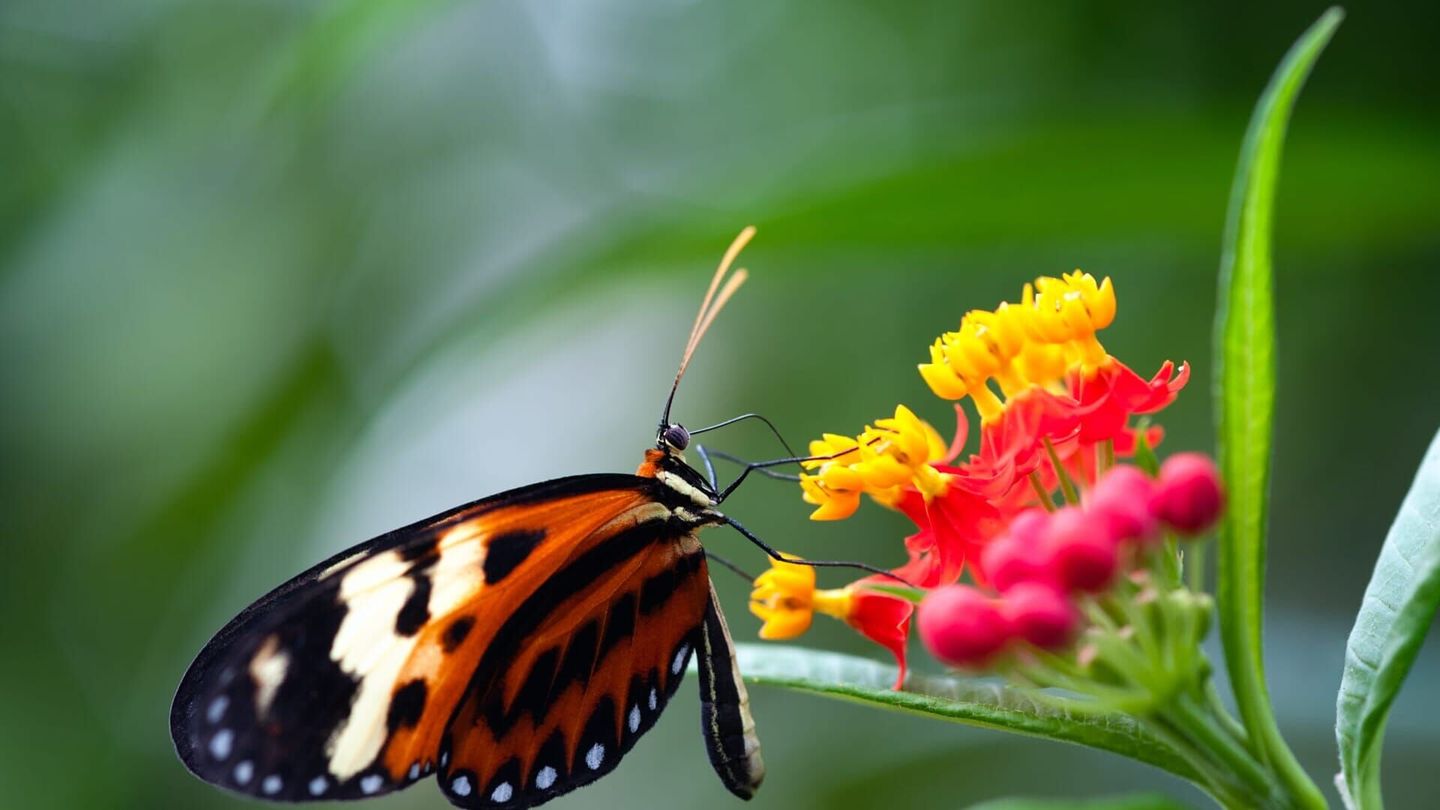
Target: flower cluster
(1047, 563)
(1055, 411)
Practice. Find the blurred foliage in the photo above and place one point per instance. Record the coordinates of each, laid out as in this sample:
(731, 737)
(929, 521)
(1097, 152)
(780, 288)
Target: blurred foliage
(275, 277)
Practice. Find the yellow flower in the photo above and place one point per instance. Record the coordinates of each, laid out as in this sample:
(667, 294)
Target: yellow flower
(786, 600)
(899, 450)
(1069, 311)
(1019, 346)
(894, 453)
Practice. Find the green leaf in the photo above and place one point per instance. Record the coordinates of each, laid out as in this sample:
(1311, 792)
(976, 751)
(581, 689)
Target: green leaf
(1245, 390)
(1144, 801)
(1399, 605)
(961, 700)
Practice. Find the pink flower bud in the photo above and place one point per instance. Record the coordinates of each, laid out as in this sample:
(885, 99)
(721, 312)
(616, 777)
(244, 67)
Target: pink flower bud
(1121, 502)
(1041, 615)
(1081, 549)
(1188, 496)
(1019, 555)
(961, 626)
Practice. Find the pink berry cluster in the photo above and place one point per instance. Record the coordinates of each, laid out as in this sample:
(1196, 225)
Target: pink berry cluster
(1047, 561)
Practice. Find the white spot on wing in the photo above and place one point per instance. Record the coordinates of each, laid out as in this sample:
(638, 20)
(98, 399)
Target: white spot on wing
(461, 786)
(545, 778)
(680, 656)
(371, 783)
(221, 743)
(415, 771)
(243, 771)
(654, 699)
(634, 719)
(502, 793)
(217, 708)
(595, 756)
(268, 669)
(317, 785)
(271, 785)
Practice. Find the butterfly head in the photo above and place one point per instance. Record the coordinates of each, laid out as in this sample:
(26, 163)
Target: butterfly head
(673, 439)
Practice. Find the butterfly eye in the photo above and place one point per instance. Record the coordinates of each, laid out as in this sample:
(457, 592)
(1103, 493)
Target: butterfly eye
(676, 436)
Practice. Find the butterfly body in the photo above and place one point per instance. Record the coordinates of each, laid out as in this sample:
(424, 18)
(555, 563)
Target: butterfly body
(515, 647)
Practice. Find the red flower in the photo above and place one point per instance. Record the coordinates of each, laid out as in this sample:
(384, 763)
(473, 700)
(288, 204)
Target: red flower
(953, 530)
(1110, 395)
(882, 618)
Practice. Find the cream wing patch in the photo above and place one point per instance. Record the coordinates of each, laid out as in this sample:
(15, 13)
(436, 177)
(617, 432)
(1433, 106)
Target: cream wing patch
(368, 647)
(268, 669)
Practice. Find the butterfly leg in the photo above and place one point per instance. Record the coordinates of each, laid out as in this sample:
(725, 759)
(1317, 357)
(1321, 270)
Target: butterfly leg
(709, 467)
(773, 554)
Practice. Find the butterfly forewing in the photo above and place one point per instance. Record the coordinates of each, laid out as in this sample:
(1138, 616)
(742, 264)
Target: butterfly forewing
(342, 682)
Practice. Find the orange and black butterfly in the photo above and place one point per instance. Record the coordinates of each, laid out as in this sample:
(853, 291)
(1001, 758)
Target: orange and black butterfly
(515, 647)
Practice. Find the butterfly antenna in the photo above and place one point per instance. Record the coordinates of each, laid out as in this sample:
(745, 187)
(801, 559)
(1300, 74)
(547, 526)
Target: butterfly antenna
(715, 298)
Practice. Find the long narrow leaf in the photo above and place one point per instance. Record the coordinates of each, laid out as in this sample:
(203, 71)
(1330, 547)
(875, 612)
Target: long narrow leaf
(1399, 605)
(1245, 390)
(961, 700)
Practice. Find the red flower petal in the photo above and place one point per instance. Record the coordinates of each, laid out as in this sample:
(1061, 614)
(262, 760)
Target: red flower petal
(884, 619)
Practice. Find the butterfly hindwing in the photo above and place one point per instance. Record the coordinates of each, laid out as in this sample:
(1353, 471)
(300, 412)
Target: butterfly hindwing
(725, 719)
(580, 671)
(341, 682)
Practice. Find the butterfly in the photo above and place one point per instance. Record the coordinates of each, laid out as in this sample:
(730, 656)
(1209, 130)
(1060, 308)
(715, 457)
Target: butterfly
(515, 647)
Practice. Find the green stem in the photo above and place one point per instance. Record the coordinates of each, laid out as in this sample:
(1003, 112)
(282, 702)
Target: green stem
(1072, 495)
(1195, 567)
(1168, 559)
(1227, 720)
(1198, 725)
(1212, 780)
(1144, 635)
(1046, 502)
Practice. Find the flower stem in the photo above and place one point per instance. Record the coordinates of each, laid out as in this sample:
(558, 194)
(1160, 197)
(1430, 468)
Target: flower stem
(1211, 779)
(1195, 567)
(1227, 720)
(1067, 486)
(1046, 502)
(1184, 712)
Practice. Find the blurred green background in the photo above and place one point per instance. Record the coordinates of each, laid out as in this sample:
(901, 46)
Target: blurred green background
(278, 276)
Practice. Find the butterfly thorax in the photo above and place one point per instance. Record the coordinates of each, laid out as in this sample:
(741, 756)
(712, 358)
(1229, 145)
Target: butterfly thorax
(668, 467)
